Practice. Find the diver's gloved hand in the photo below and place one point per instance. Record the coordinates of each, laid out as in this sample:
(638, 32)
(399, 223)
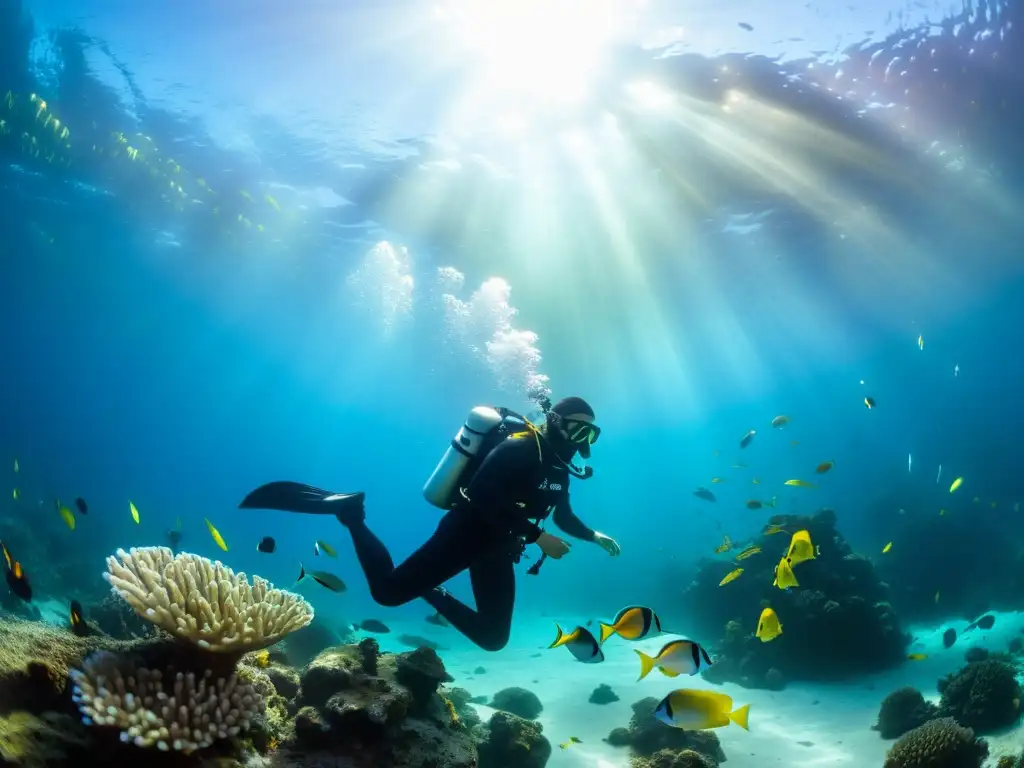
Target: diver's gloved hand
(607, 543)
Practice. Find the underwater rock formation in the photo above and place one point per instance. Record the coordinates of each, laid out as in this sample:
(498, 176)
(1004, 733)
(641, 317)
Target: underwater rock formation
(518, 701)
(603, 694)
(984, 695)
(462, 700)
(837, 623)
(509, 741)
(380, 711)
(903, 710)
(647, 735)
(938, 743)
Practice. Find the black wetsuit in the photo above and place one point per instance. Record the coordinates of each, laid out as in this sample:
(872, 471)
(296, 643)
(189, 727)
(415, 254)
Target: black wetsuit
(515, 487)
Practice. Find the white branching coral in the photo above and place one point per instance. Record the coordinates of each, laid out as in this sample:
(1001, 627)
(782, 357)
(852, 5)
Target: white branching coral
(203, 601)
(181, 712)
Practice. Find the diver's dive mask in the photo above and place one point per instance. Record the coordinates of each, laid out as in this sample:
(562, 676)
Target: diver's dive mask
(582, 432)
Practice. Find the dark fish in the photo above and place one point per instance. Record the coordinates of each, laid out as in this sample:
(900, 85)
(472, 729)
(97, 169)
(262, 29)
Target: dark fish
(17, 581)
(744, 25)
(78, 625)
(323, 578)
(415, 641)
(869, 402)
(745, 441)
(437, 620)
(704, 493)
(173, 538)
(948, 638)
(81, 506)
(985, 622)
(267, 546)
(373, 625)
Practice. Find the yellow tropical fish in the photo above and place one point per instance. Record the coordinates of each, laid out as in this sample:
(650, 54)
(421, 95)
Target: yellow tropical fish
(572, 740)
(917, 656)
(731, 576)
(784, 578)
(216, 536)
(16, 494)
(134, 511)
(772, 529)
(799, 483)
(717, 479)
(750, 551)
(800, 548)
(920, 342)
(634, 622)
(768, 626)
(956, 484)
(886, 548)
(677, 657)
(725, 546)
(66, 515)
(693, 710)
(755, 481)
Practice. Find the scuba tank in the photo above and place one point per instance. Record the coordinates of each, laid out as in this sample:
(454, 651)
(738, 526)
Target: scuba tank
(444, 482)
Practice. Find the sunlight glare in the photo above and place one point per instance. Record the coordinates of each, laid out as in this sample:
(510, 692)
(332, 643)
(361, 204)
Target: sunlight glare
(649, 95)
(545, 49)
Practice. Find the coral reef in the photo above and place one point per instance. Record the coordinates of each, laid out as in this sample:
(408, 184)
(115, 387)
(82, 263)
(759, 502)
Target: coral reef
(646, 736)
(903, 710)
(603, 694)
(205, 602)
(838, 623)
(509, 741)
(518, 701)
(28, 741)
(984, 695)
(183, 713)
(938, 743)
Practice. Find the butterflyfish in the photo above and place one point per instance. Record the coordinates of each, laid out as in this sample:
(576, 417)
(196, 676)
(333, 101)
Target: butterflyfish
(17, 581)
(218, 539)
(66, 515)
(572, 740)
(731, 576)
(693, 710)
(678, 657)
(784, 578)
(134, 510)
(768, 626)
(634, 622)
(800, 548)
(322, 546)
(956, 484)
(581, 644)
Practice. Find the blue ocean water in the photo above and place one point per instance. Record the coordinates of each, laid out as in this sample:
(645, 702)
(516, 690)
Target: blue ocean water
(335, 237)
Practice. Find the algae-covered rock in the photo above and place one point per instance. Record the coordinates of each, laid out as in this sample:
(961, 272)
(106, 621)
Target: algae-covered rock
(34, 662)
(509, 741)
(518, 701)
(28, 741)
(668, 758)
(647, 735)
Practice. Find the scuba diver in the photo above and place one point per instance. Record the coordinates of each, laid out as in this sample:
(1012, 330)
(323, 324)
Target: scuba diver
(500, 479)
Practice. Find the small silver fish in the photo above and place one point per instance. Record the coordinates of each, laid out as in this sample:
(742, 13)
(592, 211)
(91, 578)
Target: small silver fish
(938, 476)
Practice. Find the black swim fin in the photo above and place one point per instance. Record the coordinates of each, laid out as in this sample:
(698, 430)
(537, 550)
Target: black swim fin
(296, 497)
